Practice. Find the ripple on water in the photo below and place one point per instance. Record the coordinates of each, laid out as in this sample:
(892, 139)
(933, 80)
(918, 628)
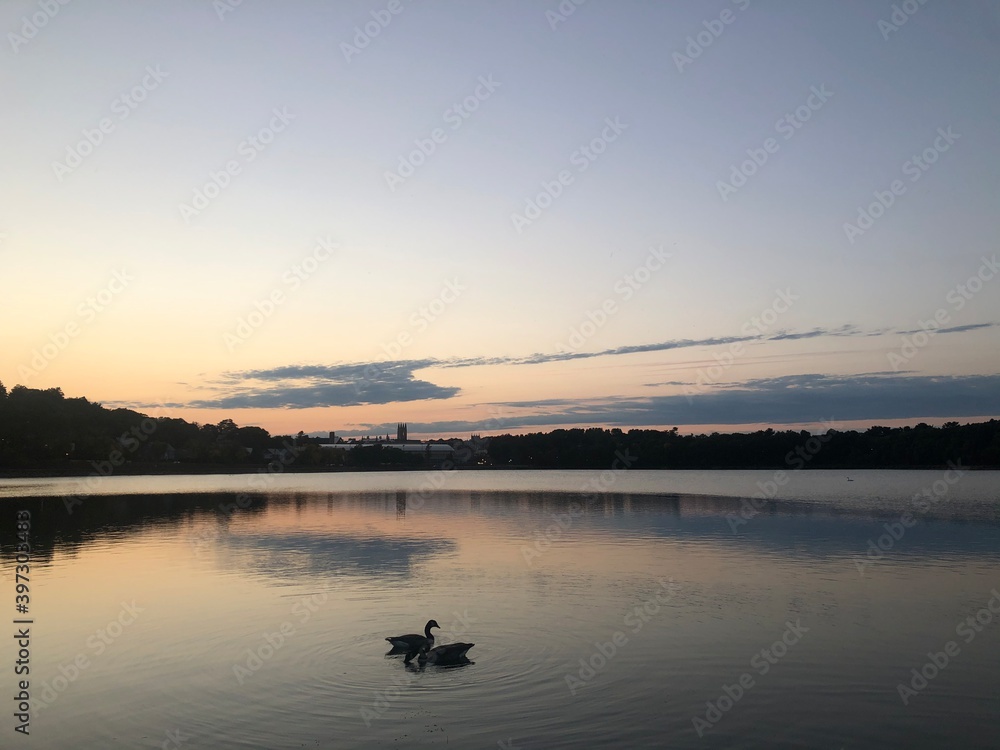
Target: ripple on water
(355, 678)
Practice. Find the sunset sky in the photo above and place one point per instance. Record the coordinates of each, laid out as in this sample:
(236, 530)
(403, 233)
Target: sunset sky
(489, 217)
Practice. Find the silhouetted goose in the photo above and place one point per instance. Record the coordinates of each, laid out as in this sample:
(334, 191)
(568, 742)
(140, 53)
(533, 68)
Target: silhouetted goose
(413, 642)
(451, 653)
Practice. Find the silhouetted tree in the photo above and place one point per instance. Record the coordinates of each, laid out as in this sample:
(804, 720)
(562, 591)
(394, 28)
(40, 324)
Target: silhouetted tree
(43, 426)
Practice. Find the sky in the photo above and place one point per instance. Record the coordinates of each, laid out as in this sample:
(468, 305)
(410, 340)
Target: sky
(504, 216)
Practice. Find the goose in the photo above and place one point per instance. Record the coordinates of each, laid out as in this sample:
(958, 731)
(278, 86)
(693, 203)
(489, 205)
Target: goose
(451, 653)
(413, 642)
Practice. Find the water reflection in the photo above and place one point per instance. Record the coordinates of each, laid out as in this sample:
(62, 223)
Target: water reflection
(299, 590)
(303, 535)
(99, 519)
(288, 557)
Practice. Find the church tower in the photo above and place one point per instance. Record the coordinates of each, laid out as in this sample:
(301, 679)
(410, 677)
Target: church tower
(401, 432)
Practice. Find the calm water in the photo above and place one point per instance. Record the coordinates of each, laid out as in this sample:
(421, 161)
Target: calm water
(181, 612)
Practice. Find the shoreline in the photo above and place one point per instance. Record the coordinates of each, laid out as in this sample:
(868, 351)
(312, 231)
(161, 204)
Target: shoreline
(70, 470)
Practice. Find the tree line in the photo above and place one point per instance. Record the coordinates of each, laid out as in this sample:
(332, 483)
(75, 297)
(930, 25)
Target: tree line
(920, 446)
(44, 429)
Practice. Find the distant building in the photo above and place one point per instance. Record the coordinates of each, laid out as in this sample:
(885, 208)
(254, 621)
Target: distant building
(433, 454)
(479, 445)
(437, 449)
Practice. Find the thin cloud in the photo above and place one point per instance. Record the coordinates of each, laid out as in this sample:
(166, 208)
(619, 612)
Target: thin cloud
(844, 331)
(952, 329)
(363, 383)
(792, 399)
(661, 346)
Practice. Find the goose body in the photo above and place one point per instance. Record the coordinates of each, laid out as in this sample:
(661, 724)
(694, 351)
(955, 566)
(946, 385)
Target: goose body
(450, 653)
(412, 642)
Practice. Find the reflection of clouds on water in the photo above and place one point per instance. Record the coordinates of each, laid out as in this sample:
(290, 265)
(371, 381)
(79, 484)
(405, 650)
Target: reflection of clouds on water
(821, 535)
(287, 557)
(795, 529)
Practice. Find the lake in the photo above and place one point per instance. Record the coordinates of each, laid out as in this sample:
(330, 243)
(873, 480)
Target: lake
(615, 609)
